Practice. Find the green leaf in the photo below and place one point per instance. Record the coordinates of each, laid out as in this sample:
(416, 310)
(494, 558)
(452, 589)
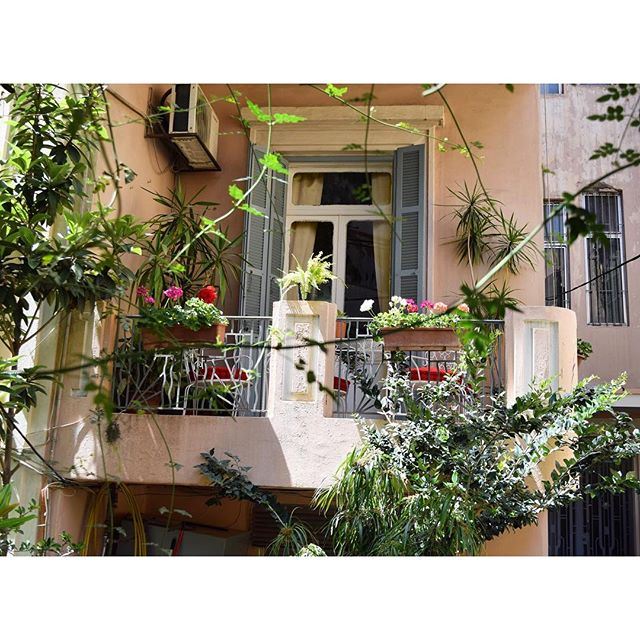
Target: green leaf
(272, 161)
(236, 192)
(335, 92)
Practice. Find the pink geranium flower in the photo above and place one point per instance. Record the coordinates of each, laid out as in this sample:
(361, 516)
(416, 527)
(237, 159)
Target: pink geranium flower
(412, 307)
(173, 293)
(426, 304)
(439, 307)
(149, 299)
(143, 292)
(464, 307)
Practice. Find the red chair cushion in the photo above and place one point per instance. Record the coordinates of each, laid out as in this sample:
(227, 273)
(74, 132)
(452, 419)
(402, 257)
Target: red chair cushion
(219, 372)
(429, 374)
(340, 384)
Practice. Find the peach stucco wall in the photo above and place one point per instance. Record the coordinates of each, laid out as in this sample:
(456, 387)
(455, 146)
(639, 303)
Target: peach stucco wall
(286, 453)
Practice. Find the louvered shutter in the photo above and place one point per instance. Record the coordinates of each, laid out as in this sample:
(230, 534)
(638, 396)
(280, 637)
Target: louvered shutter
(255, 243)
(410, 224)
(278, 184)
(263, 240)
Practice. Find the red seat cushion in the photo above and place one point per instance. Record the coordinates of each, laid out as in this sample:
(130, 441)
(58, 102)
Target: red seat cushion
(429, 374)
(340, 384)
(219, 372)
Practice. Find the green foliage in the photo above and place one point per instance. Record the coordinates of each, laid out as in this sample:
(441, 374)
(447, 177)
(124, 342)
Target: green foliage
(317, 272)
(60, 246)
(13, 517)
(404, 314)
(206, 253)
(585, 349)
(195, 314)
(485, 234)
(450, 470)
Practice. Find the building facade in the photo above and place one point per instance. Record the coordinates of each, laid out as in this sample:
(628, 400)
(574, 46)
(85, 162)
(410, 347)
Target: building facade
(292, 436)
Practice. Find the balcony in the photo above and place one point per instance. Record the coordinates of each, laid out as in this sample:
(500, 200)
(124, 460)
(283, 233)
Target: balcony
(228, 381)
(234, 380)
(261, 405)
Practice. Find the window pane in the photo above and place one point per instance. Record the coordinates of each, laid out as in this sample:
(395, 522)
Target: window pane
(551, 88)
(554, 230)
(555, 280)
(368, 265)
(605, 206)
(606, 295)
(346, 188)
(307, 239)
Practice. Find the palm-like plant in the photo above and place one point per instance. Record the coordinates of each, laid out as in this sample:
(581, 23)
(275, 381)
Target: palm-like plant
(205, 257)
(484, 234)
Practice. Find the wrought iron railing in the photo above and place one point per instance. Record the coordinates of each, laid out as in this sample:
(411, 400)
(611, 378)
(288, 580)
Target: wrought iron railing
(210, 380)
(233, 380)
(361, 366)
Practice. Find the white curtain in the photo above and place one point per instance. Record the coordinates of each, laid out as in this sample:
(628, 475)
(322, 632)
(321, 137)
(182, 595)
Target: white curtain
(382, 260)
(381, 188)
(307, 188)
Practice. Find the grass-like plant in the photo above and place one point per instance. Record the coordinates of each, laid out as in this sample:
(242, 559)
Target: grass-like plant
(309, 278)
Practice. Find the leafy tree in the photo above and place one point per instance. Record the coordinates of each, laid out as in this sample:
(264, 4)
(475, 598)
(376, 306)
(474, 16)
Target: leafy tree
(450, 469)
(60, 246)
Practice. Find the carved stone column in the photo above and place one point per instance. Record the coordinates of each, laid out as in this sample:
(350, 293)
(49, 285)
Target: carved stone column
(301, 369)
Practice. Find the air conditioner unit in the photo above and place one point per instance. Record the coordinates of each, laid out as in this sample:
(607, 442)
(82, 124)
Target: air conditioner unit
(193, 127)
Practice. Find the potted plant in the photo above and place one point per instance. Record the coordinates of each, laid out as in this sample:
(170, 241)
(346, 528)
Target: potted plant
(197, 321)
(407, 326)
(584, 349)
(179, 250)
(306, 279)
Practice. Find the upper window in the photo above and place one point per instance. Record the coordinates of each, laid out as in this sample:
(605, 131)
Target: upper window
(606, 291)
(552, 89)
(341, 188)
(556, 253)
(345, 214)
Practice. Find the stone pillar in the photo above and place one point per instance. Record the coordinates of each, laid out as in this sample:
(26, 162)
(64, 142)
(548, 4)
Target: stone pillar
(299, 368)
(540, 343)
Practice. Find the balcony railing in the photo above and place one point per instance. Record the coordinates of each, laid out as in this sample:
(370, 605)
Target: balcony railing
(230, 380)
(233, 380)
(361, 366)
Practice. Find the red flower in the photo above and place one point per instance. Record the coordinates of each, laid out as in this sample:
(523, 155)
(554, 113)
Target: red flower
(208, 294)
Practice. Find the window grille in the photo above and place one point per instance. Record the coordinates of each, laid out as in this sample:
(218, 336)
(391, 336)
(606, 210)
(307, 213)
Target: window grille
(606, 291)
(556, 253)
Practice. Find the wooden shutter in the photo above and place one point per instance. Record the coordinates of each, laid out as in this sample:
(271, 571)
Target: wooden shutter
(263, 240)
(410, 224)
(254, 241)
(278, 201)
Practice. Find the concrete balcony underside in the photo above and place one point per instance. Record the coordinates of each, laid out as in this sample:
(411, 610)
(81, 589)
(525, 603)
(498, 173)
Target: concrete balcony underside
(284, 454)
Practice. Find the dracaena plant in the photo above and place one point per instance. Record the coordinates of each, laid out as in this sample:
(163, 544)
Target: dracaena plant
(206, 253)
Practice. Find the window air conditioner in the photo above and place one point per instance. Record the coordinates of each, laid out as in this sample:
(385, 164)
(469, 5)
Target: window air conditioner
(193, 127)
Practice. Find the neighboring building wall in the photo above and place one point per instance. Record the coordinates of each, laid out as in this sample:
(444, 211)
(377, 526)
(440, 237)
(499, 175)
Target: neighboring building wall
(568, 140)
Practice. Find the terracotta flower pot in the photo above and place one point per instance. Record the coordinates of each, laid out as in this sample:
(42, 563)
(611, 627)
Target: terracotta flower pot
(177, 335)
(420, 339)
(341, 330)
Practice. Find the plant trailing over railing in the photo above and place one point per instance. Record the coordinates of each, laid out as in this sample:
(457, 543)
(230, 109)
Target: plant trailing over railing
(309, 278)
(404, 313)
(229, 480)
(196, 313)
(448, 472)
